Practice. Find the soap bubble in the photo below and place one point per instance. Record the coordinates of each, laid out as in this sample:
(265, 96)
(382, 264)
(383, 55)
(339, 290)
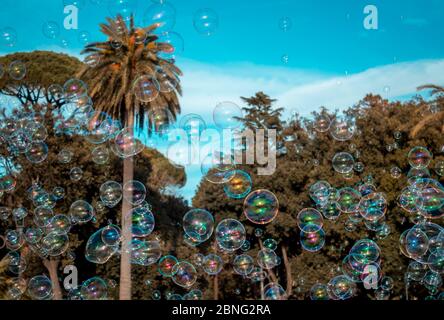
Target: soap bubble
(311, 218)
(37, 152)
(94, 288)
(166, 264)
(163, 14)
(342, 128)
(274, 291)
(230, 234)
(239, 185)
(142, 222)
(51, 29)
(144, 252)
(193, 124)
(172, 45)
(111, 235)
(100, 155)
(184, 274)
(322, 123)
(76, 174)
(319, 192)
(261, 206)
(343, 162)
(206, 21)
(417, 242)
(312, 238)
(42, 215)
(226, 115)
(111, 193)
(146, 88)
(243, 264)
(75, 89)
(198, 224)
(373, 207)
(40, 288)
(218, 168)
(64, 156)
(98, 127)
(319, 292)
(341, 288)
(55, 243)
(193, 295)
(59, 224)
(366, 251)
(266, 258)
(8, 37)
(212, 264)
(126, 145)
(33, 235)
(270, 244)
(97, 251)
(134, 192)
(419, 157)
(348, 199)
(81, 211)
(285, 24)
(331, 210)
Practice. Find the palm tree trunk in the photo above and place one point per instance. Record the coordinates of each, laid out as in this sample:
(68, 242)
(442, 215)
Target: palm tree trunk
(216, 287)
(125, 255)
(52, 265)
(288, 271)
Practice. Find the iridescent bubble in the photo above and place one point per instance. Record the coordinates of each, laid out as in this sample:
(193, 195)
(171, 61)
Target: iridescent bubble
(98, 127)
(172, 45)
(319, 192)
(366, 251)
(42, 216)
(98, 251)
(100, 155)
(432, 281)
(59, 224)
(8, 37)
(198, 224)
(206, 21)
(65, 156)
(111, 235)
(144, 252)
(227, 115)
(417, 242)
(166, 264)
(348, 199)
(81, 211)
(439, 168)
(14, 240)
(84, 38)
(146, 88)
(218, 168)
(75, 89)
(193, 295)
(162, 14)
(261, 206)
(94, 288)
(126, 145)
(184, 274)
(134, 192)
(373, 206)
(319, 292)
(416, 271)
(111, 193)
(331, 210)
(270, 244)
(395, 172)
(341, 288)
(274, 291)
(76, 174)
(285, 24)
(193, 124)
(40, 288)
(342, 128)
(142, 222)
(266, 258)
(19, 213)
(230, 234)
(243, 264)
(312, 238)
(387, 283)
(239, 185)
(33, 235)
(37, 152)
(322, 123)
(311, 218)
(419, 157)
(343, 162)
(51, 29)
(212, 264)
(5, 212)
(55, 244)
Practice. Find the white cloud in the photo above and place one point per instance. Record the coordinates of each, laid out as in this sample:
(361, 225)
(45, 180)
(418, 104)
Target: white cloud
(204, 85)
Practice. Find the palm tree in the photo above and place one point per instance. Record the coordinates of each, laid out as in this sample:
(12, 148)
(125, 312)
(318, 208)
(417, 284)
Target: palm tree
(129, 54)
(438, 92)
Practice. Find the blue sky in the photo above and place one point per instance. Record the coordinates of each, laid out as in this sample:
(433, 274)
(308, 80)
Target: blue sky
(332, 59)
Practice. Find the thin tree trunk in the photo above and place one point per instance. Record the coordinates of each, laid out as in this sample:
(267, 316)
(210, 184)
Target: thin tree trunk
(125, 254)
(216, 287)
(52, 265)
(270, 272)
(262, 289)
(288, 271)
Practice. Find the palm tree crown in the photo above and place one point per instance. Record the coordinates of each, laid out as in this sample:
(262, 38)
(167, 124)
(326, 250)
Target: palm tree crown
(130, 61)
